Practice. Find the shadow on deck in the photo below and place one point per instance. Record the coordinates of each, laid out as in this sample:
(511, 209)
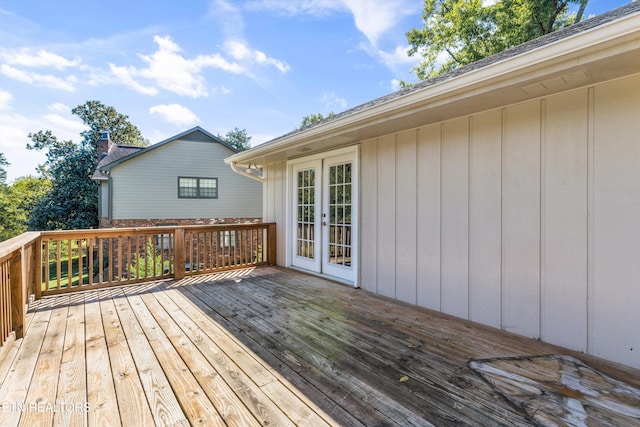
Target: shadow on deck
(275, 347)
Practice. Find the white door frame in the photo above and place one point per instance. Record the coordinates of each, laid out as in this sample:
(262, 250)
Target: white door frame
(349, 274)
(313, 228)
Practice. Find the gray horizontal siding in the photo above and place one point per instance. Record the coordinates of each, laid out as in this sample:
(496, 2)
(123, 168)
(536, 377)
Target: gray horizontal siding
(147, 186)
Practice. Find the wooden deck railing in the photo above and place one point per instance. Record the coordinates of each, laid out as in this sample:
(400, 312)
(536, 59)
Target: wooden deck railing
(52, 262)
(17, 282)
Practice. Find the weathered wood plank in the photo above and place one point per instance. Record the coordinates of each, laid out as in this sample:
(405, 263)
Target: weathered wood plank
(238, 351)
(164, 406)
(192, 398)
(299, 409)
(340, 361)
(72, 382)
(41, 398)
(10, 350)
(282, 348)
(387, 350)
(132, 403)
(16, 385)
(101, 393)
(248, 392)
(221, 396)
(343, 386)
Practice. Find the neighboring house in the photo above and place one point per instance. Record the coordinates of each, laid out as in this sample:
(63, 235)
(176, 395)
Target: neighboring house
(181, 180)
(506, 192)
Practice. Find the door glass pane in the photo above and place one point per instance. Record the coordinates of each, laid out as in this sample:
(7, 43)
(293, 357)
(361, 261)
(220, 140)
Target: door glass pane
(306, 214)
(340, 214)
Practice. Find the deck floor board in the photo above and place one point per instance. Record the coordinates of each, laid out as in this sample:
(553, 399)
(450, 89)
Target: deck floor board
(276, 347)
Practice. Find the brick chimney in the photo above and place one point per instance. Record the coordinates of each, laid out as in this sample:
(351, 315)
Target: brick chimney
(104, 144)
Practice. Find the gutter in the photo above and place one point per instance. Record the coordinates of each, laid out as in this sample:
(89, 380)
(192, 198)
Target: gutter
(245, 172)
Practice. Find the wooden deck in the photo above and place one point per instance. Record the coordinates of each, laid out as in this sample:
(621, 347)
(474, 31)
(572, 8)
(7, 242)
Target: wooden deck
(276, 347)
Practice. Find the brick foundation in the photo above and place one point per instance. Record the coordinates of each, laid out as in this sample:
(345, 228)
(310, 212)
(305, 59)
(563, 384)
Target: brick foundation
(132, 223)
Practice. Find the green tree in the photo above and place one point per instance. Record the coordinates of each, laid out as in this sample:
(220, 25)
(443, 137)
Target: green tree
(3, 172)
(72, 201)
(17, 203)
(237, 138)
(459, 32)
(312, 119)
(100, 117)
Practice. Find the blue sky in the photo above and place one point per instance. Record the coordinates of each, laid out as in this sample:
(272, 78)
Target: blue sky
(259, 65)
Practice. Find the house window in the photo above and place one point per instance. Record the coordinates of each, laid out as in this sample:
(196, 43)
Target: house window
(197, 188)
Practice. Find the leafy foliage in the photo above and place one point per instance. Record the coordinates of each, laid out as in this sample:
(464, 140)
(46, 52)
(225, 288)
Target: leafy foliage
(100, 117)
(72, 202)
(312, 119)
(459, 32)
(237, 139)
(148, 263)
(16, 203)
(3, 172)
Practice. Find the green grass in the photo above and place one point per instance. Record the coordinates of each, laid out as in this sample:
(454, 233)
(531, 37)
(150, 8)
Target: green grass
(64, 273)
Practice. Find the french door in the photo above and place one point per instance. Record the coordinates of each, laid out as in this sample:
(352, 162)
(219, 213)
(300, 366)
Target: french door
(324, 212)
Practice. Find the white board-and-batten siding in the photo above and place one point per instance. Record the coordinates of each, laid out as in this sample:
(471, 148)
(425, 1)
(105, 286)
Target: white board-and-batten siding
(146, 186)
(524, 218)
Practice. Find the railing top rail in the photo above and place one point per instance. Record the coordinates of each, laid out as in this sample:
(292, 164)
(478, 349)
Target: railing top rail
(103, 232)
(10, 246)
(99, 232)
(227, 226)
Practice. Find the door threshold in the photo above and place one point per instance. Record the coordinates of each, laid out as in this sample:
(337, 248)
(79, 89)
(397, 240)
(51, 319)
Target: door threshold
(328, 277)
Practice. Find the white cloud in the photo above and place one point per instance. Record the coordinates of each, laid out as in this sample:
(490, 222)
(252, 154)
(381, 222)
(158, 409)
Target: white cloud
(175, 114)
(63, 125)
(44, 80)
(399, 57)
(168, 69)
(15, 129)
(230, 19)
(303, 7)
(395, 85)
(5, 100)
(332, 102)
(223, 90)
(374, 18)
(59, 107)
(126, 76)
(171, 71)
(242, 52)
(37, 59)
(228, 16)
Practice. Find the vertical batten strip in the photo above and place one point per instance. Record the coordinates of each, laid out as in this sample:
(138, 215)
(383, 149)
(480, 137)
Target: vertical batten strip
(503, 144)
(542, 207)
(469, 213)
(591, 149)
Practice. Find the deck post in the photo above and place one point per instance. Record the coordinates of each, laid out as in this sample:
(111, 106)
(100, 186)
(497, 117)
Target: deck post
(17, 294)
(30, 269)
(180, 255)
(271, 244)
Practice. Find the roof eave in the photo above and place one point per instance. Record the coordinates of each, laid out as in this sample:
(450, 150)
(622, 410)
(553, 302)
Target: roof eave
(562, 59)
